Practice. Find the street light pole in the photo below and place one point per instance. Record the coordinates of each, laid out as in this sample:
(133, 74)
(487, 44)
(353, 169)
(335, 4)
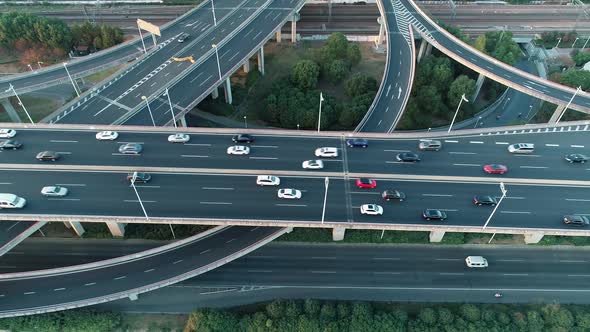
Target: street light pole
(457, 111)
(529, 112)
(504, 192)
(217, 56)
(149, 109)
(20, 102)
(586, 43)
(574, 44)
(31, 68)
(320, 113)
(71, 80)
(476, 122)
(141, 37)
(245, 122)
(213, 10)
(326, 183)
(558, 41)
(39, 63)
(171, 108)
(568, 103)
(137, 194)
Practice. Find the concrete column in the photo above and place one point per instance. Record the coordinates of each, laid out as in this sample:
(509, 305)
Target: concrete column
(278, 35)
(421, 50)
(117, 229)
(478, 85)
(227, 89)
(133, 297)
(182, 121)
(532, 238)
(557, 113)
(76, 226)
(247, 66)
(215, 93)
(338, 233)
(10, 110)
(381, 30)
(261, 60)
(428, 50)
(294, 18)
(436, 236)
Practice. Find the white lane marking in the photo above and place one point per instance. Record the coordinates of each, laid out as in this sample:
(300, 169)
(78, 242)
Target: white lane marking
(527, 155)
(577, 146)
(551, 144)
(437, 195)
(323, 257)
(193, 156)
(476, 165)
(515, 274)
(136, 201)
(379, 272)
(577, 200)
(476, 142)
(228, 241)
(365, 192)
(386, 258)
(448, 259)
(462, 152)
(533, 167)
(204, 251)
(58, 289)
(578, 275)
(70, 184)
(571, 261)
(451, 274)
(5, 183)
(178, 261)
(264, 158)
(119, 278)
(216, 188)
(146, 186)
(60, 141)
(449, 210)
(149, 270)
(265, 146)
(29, 293)
(322, 272)
(90, 284)
(516, 212)
(451, 141)
(512, 197)
(125, 154)
(295, 205)
(216, 203)
(259, 271)
(197, 144)
(63, 152)
(63, 199)
(502, 143)
(378, 124)
(510, 260)
(396, 150)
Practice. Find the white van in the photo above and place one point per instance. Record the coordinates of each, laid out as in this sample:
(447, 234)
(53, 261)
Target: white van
(521, 148)
(11, 201)
(476, 261)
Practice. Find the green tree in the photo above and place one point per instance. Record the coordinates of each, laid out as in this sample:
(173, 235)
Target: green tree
(276, 309)
(575, 78)
(362, 317)
(328, 311)
(354, 54)
(480, 43)
(455, 31)
(445, 316)
(292, 309)
(360, 84)
(336, 47)
(427, 316)
(461, 85)
(535, 321)
(304, 74)
(337, 70)
(499, 44)
(90, 321)
(311, 307)
(581, 58)
(470, 312)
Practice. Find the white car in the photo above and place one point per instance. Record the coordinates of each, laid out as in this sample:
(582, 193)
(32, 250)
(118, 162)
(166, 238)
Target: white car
(238, 150)
(107, 135)
(328, 152)
(179, 138)
(371, 209)
(289, 193)
(313, 164)
(54, 191)
(268, 180)
(7, 133)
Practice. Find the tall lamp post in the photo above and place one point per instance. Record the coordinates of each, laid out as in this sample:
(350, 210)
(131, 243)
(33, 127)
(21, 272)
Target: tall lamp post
(326, 183)
(31, 68)
(320, 112)
(245, 122)
(39, 63)
(20, 102)
(504, 192)
(569, 102)
(141, 203)
(171, 108)
(71, 80)
(558, 41)
(217, 56)
(574, 44)
(586, 43)
(463, 99)
(213, 10)
(529, 112)
(477, 121)
(149, 109)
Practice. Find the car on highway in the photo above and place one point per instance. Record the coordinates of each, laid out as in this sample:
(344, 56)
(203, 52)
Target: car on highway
(576, 220)
(243, 138)
(495, 169)
(312, 164)
(238, 150)
(576, 158)
(476, 261)
(131, 148)
(10, 144)
(289, 193)
(179, 138)
(48, 156)
(389, 195)
(107, 135)
(326, 152)
(521, 148)
(429, 145)
(357, 143)
(434, 214)
(366, 183)
(485, 200)
(182, 37)
(372, 209)
(7, 133)
(11, 201)
(407, 157)
(54, 191)
(140, 177)
(268, 180)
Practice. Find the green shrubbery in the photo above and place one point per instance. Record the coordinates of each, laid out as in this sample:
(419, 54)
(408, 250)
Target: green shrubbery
(64, 321)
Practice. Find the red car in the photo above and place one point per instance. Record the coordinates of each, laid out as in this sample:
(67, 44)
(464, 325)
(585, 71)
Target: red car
(366, 183)
(495, 169)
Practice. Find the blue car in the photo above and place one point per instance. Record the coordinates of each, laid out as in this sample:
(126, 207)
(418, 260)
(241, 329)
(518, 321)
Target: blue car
(357, 143)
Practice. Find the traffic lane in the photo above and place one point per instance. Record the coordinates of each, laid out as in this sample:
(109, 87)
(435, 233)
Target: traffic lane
(64, 288)
(11, 229)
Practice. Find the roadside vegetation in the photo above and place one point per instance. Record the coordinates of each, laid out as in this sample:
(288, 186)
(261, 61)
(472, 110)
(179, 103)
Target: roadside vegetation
(145, 231)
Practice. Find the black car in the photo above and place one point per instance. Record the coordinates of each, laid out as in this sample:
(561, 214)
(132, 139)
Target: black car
(389, 195)
(572, 220)
(243, 138)
(576, 158)
(140, 177)
(408, 157)
(432, 214)
(485, 200)
(357, 142)
(48, 156)
(10, 144)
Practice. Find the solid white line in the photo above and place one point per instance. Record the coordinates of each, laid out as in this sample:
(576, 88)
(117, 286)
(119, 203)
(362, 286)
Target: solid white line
(515, 274)
(5, 183)
(476, 165)
(63, 199)
(193, 156)
(450, 141)
(527, 155)
(63, 152)
(124, 154)
(136, 201)
(450, 274)
(448, 259)
(321, 257)
(295, 205)
(502, 143)
(516, 212)
(437, 195)
(386, 258)
(323, 271)
(551, 144)
(217, 203)
(476, 142)
(378, 272)
(577, 146)
(365, 192)
(197, 144)
(513, 197)
(119, 278)
(533, 167)
(259, 271)
(204, 252)
(58, 141)
(178, 261)
(571, 261)
(70, 184)
(264, 158)
(59, 289)
(449, 210)
(265, 146)
(462, 153)
(578, 275)
(214, 188)
(577, 200)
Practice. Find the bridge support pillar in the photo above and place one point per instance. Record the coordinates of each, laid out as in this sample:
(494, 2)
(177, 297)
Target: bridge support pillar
(117, 229)
(338, 233)
(436, 236)
(428, 50)
(133, 297)
(379, 40)
(10, 110)
(76, 226)
(532, 238)
(182, 121)
(294, 18)
(278, 35)
(478, 85)
(247, 66)
(261, 60)
(227, 89)
(421, 50)
(215, 93)
(557, 114)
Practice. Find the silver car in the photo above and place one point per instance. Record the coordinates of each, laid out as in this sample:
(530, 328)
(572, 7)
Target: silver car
(131, 148)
